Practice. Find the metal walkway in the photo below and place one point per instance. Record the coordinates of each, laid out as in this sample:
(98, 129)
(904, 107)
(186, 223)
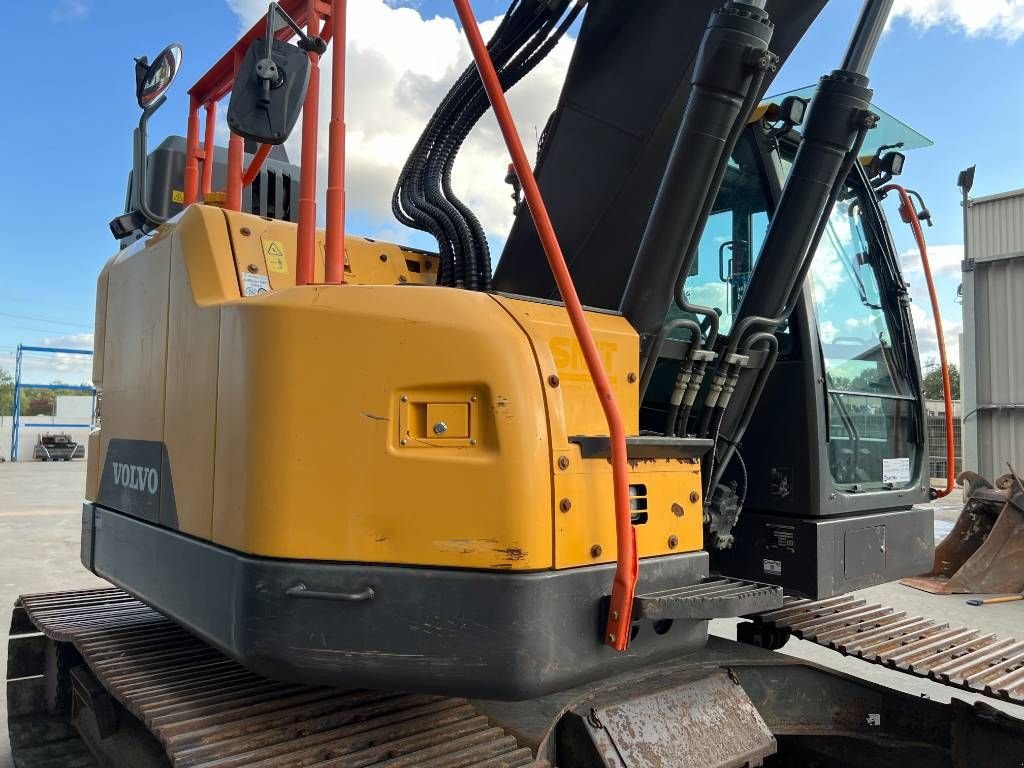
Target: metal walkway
(965, 658)
(207, 710)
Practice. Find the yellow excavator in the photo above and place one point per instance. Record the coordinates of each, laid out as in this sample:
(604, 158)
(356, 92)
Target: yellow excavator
(362, 503)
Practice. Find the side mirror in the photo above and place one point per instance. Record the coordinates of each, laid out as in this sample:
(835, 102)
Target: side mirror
(151, 84)
(153, 80)
(269, 91)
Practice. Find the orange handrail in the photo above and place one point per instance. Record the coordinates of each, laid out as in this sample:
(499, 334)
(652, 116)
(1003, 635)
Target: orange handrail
(209, 147)
(305, 232)
(909, 214)
(334, 246)
(624, 586)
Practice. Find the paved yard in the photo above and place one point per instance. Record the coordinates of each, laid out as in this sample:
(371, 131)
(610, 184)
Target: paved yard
(40, 518)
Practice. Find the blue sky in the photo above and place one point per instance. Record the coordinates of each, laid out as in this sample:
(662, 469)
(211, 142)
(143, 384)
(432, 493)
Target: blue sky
(69, 154)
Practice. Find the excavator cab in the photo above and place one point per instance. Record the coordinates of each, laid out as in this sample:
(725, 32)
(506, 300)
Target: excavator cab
(339, 460)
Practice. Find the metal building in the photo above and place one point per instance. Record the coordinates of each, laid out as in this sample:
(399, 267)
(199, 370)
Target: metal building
(992, 352)
(935, 410)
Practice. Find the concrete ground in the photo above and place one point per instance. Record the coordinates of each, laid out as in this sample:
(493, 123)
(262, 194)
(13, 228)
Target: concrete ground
(40, 522)
(40, 512)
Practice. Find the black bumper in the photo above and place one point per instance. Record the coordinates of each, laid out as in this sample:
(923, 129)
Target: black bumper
(432, 630)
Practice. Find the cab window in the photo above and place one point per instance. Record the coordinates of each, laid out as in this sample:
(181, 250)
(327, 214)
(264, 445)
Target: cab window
(870, 408)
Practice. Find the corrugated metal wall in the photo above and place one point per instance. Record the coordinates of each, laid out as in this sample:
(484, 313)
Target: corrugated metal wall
(992, 355)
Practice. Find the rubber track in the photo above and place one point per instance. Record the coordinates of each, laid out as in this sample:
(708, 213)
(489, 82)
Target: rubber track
(207, 710)
(957, 656)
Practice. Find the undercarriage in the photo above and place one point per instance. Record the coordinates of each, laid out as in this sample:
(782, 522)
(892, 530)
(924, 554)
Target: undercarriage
(98, 678)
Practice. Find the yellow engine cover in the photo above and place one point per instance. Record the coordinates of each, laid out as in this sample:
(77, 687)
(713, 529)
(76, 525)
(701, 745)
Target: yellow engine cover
(383, 421)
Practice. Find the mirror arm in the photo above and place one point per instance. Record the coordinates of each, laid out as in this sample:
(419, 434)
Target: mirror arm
(141, 166)
(314, 44)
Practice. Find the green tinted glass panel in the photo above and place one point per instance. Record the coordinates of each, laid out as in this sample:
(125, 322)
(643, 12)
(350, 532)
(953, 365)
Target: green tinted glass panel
(888, 131)
(870, 416)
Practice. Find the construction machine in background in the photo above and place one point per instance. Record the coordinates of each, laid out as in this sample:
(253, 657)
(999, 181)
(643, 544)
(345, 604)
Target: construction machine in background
(57, 447)
(496, 534)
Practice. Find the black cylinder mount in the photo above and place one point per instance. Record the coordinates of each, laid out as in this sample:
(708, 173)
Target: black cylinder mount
(729, 67)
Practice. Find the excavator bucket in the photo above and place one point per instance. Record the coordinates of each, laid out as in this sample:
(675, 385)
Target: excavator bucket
(984, 553)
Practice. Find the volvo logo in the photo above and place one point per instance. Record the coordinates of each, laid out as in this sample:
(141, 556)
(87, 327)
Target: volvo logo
(136, 478)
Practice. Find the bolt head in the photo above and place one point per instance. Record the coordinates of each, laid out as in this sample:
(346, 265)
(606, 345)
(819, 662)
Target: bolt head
(245, 231)
(405, 398)
(440, 428)
(595, 551)
(694, 497)
(472, 441)
(563, 462)
(553, 380)
(673, 542)
(403, 441)
(631, 377)
(565, 505)
(383, 257)
(253, 268)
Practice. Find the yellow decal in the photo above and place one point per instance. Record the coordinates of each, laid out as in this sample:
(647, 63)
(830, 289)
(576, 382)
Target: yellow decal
(569, 358)
(177, 196)
(274, 254)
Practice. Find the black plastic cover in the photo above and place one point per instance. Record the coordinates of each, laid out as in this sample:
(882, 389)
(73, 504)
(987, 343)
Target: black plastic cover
(274, 193)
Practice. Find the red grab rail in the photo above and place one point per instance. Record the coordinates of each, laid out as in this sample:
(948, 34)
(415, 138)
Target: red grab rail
(624, 586)
(909, 214)
(322, 18)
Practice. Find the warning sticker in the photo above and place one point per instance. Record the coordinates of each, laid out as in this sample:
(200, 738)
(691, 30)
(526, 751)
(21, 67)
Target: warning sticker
(895, 470)
(273, 252)
(253, 285)
(773, 567)
(177, 196)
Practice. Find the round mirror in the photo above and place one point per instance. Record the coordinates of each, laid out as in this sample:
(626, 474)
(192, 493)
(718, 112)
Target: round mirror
(159, 76)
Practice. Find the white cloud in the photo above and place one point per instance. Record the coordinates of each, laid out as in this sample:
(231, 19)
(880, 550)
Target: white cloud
(67, 11)
(927, 338)
(827, 271)
(46, 368)
(943, 259)
(828, 331)
(399, 65)
(945, 265)
(992, 18)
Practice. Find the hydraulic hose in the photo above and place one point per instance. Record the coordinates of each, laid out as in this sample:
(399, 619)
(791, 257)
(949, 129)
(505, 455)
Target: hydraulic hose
(524, 62)
(423, 196)
(751, 402)
(473, 243)
(651, 362)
